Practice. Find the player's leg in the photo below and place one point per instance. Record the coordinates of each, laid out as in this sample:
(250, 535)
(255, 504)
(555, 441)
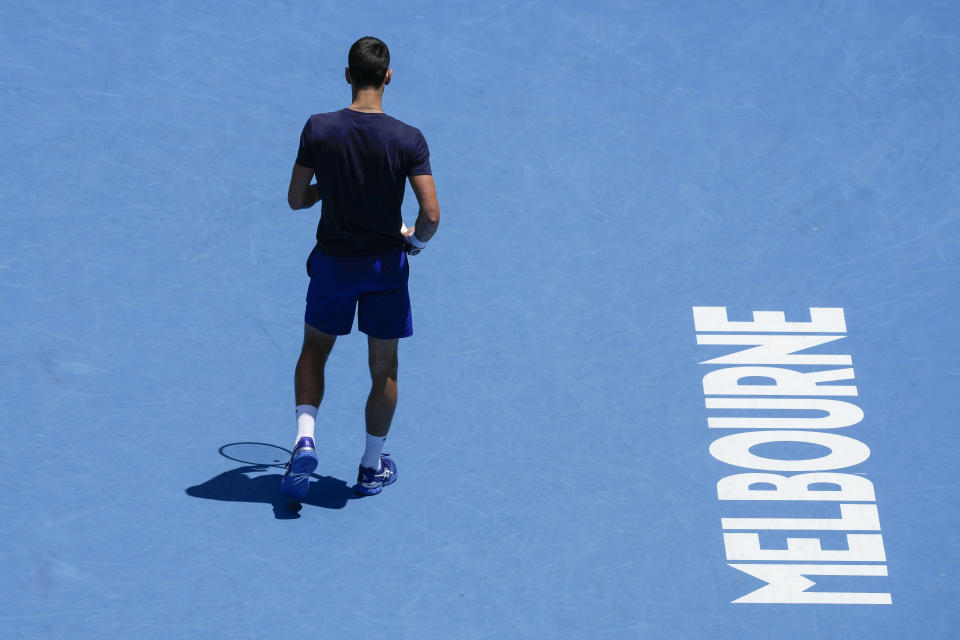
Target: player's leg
(308, 387)
(377, 469)
(308, 377)
(382, 401)
(385, 316)
(331, 304)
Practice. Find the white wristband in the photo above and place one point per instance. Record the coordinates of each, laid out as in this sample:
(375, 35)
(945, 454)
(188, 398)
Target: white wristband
(415, 241)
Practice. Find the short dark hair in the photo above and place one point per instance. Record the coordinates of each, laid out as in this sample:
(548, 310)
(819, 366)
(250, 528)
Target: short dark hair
(368, 60)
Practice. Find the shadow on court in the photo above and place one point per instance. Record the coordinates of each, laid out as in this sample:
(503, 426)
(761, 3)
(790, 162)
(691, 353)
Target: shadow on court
(249, 483)
(238, 485)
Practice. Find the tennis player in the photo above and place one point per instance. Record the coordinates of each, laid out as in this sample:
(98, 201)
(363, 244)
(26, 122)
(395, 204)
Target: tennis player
(361, 159)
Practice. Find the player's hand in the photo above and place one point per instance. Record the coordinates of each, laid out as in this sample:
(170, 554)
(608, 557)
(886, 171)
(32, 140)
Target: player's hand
(412, 247)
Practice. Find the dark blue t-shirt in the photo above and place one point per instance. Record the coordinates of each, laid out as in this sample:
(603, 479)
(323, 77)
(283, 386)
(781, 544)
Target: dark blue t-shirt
(361, 161)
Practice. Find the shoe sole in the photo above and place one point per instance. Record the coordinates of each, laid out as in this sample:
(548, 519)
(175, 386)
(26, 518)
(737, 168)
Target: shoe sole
(367, 491)
(296, 481)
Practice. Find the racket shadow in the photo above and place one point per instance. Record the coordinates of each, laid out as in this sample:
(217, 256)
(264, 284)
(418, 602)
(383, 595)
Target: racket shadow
(254, 482)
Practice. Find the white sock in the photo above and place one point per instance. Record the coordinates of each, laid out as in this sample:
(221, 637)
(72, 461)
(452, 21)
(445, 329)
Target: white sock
(306, 420)
(371, 455)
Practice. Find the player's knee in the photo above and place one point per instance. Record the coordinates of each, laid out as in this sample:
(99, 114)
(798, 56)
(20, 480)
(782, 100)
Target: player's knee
(383, 373)
(383, 359)
(384, 368)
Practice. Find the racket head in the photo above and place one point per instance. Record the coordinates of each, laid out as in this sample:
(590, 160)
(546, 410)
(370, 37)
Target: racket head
(256, 453)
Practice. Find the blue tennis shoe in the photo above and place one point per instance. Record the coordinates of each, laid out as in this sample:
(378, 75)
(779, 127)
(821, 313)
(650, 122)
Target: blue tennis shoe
(296, 480)
(370, 482)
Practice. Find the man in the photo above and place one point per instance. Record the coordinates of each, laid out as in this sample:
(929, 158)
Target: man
(361, 159)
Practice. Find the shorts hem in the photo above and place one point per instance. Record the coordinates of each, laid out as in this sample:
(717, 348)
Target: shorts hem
(326, 330)
(399, 337)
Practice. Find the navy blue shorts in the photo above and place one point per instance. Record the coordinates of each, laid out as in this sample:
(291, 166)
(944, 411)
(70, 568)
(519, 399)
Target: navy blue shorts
(376, 284)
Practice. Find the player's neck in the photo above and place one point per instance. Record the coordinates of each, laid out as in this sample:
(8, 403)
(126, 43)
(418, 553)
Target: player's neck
(367, 101)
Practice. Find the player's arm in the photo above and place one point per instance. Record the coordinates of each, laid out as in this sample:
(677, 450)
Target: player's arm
(301, 194)
(429, 217)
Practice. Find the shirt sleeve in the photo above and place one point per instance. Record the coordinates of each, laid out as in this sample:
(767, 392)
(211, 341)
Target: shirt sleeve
(420, 158)
(304, 156)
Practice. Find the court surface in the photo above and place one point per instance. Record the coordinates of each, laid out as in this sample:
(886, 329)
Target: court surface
(602, 169)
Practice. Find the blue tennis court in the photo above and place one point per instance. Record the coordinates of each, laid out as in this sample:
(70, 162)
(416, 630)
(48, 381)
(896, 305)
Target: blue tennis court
(684, 360)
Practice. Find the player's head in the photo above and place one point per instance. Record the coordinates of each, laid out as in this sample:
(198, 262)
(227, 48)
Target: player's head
(369, 62)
